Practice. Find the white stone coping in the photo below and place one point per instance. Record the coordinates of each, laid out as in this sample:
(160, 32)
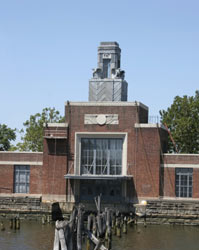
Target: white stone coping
(60, 125)
(35, 163)
(122, 103)
(178, 154)
(24, 195)
(167, 198)
(19, 152)
(187, 165)
(149, 125)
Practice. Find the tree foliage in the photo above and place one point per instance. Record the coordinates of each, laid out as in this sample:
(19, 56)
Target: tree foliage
(6, 136)
(32, 138)
(182, 119)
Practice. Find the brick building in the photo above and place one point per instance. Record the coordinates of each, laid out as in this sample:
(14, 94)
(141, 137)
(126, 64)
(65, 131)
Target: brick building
(106, 146)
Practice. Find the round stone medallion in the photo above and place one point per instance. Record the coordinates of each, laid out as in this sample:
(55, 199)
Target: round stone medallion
(101, 119)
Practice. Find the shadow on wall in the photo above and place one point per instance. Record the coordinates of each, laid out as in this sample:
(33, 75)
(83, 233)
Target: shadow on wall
(56, 212)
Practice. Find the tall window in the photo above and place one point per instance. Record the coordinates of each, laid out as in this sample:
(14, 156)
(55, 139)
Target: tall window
(184, 181)
(101, 156)
(107, 68)
(21, 179)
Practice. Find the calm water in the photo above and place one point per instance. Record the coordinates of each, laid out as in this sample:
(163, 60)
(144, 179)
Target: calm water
(34, 236)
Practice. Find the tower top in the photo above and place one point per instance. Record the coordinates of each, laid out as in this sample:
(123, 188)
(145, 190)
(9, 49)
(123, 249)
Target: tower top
(108, 61)
(108, 82)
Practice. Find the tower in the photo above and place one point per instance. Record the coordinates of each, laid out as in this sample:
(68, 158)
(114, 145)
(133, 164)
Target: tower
(107, 83)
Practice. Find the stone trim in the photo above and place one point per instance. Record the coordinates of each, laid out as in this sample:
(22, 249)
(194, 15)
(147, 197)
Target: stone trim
(172, 154)
(19, 152)
(179, 165)
(122, 103)
(60, 125)
(35, 163)
(149, 125)
(95, 119)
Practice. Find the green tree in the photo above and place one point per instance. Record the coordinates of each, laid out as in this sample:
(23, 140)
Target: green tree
(182, 119)
(32, 138)
(6, 136)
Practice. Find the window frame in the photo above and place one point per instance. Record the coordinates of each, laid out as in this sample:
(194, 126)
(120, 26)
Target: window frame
(80, 135)
(184, 182)
(101, 156)
(18, 169)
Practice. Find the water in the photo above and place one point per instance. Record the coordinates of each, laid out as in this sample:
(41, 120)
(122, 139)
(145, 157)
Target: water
(34, 236)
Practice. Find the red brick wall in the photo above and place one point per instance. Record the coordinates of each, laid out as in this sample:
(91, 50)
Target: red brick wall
(195, 183)
(35, 179)
(7, 171)
(169, 182)
(146, 174)
(147, 164)
(169, 173)
(17, 156)
(181, 158)
(54, 167)
(6, 178)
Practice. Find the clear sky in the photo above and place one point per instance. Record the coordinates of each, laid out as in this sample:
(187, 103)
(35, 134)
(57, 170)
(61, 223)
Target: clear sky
(48, 49)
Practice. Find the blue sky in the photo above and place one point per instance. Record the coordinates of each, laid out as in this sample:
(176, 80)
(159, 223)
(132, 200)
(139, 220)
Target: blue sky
(48, 49)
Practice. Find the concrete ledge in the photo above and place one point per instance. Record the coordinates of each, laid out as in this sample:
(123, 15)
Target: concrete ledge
(122, 103)
(57, 125)
(149, 125)
(179, 165)
(35, 163)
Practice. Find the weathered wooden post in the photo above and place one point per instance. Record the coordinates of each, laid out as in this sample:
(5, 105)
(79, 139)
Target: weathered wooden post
(113, 224)
(59, 240)
(108, 235)
(11, 223)
(94, 229)
(17, 223)
(79, 229)
(124, 225)
(48, 219)
(118, 227)
(89, 228)
(43, 219)
(71, 235)
(2, 226)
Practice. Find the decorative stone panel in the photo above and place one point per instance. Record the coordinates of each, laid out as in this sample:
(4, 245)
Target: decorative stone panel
(101, 119)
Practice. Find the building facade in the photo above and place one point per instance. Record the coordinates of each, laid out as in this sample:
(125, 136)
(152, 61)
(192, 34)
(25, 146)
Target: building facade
(106, 146)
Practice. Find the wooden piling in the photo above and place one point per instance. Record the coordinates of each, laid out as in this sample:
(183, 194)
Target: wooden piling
(2, 226)
(17, 223)
(124, 226)
(118, 227)
(43, 219)
(48, 219)
(11, 223)
(79, 228)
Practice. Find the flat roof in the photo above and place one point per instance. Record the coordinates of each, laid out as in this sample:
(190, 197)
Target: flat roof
(97, 177)
(107, 104)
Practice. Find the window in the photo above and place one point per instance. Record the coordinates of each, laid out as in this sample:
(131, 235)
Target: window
(184, 181)
(106, 68)
(101, 156)
(21, 179)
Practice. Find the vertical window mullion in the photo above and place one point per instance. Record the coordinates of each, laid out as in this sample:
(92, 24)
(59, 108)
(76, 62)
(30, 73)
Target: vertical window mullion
(187, 186)
(94, 161)
(108, 162)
